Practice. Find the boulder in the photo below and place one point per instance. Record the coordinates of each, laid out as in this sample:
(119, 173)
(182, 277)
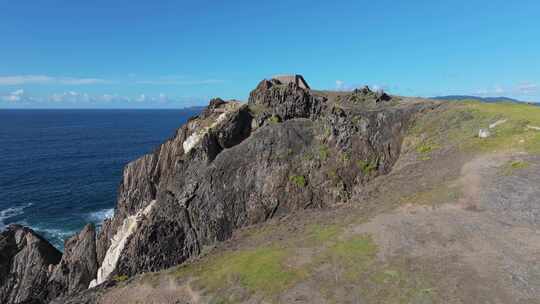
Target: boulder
(484, 133)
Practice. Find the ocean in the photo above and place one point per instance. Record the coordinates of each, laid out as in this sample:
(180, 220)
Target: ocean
(60, 169)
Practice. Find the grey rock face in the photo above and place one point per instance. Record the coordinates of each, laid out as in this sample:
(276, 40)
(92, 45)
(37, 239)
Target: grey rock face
(78, 265)
(284, 102)
(25, 260)
(248, 167)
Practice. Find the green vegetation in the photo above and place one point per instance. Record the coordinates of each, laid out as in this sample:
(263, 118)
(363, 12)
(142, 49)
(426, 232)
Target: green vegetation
(345, 157)
(321, 234)
(457, 124)
(298, 180)
(339, 262)
(258, 270)
(367, 166)
(324, 152)
(257, 109)
(307, 157)
(355, 98)
(352, 256)
(511, 166)
(332, 174)
(425, 148)
(261, 270)
(274, 119)
(518, 164)
(120, 278)
(391, 274)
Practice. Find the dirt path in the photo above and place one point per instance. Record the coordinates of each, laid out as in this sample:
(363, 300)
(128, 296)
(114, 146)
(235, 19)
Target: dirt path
(484, 247)
(164, 290)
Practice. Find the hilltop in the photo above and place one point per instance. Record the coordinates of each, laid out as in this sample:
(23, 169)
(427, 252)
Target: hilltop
(306, 196)
(477, 98)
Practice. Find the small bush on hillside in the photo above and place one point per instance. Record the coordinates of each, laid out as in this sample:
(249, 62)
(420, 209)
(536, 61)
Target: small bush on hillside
(366, 166)
(298, 180)
(120, 278)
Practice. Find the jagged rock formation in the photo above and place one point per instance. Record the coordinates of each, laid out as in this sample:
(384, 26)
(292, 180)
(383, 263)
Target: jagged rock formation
(287, 149)
(272, 99)
(25, 263)
(78, 265)
(237, 165)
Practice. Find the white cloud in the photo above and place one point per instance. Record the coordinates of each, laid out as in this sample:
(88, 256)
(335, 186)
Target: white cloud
(180, 82)
(14, 96)
(491, 91)
(73, 99)
(482, 92)
(528, 88)
(521, 90)
(141, 98)
(69, 97)
(345, 86)
(75, 81)
(44, 79)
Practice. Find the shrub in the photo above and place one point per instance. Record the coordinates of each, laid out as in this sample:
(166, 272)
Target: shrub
(120, 278)
(324, 152)
(298, 180)
(424, 148)
(366, 166)
(274, 119)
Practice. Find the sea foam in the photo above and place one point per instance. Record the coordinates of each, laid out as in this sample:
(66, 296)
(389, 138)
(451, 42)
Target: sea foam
(99, 216)
(10, 212)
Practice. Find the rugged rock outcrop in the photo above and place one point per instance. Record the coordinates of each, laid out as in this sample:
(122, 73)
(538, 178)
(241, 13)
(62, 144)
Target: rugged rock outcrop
(25, 263)
(275, 102)
(287, 149)
(78, 265)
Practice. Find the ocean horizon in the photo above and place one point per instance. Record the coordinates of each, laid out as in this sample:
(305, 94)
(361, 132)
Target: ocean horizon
(61, 168)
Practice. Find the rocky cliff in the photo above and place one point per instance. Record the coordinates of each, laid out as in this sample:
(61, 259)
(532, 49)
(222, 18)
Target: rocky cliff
(234, 165)
(26, 261)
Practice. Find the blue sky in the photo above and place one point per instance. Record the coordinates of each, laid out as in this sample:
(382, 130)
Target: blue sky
(154, 54)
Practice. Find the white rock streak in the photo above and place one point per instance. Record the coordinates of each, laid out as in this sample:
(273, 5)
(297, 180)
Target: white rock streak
(192, 141)
(118, 242)
(196, 137)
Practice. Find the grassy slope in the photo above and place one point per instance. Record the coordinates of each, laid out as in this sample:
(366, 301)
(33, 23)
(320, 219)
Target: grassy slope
(267, 261)
(459, 123)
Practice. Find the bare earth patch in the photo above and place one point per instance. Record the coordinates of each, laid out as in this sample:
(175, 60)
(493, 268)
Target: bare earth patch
(489, 231)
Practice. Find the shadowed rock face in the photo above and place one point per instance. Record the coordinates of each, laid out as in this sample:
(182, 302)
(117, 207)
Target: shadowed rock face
(78, 265)
(25, 260)
(235, 165)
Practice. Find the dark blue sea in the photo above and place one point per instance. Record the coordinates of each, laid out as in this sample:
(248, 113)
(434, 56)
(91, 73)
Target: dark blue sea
(60, 169)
